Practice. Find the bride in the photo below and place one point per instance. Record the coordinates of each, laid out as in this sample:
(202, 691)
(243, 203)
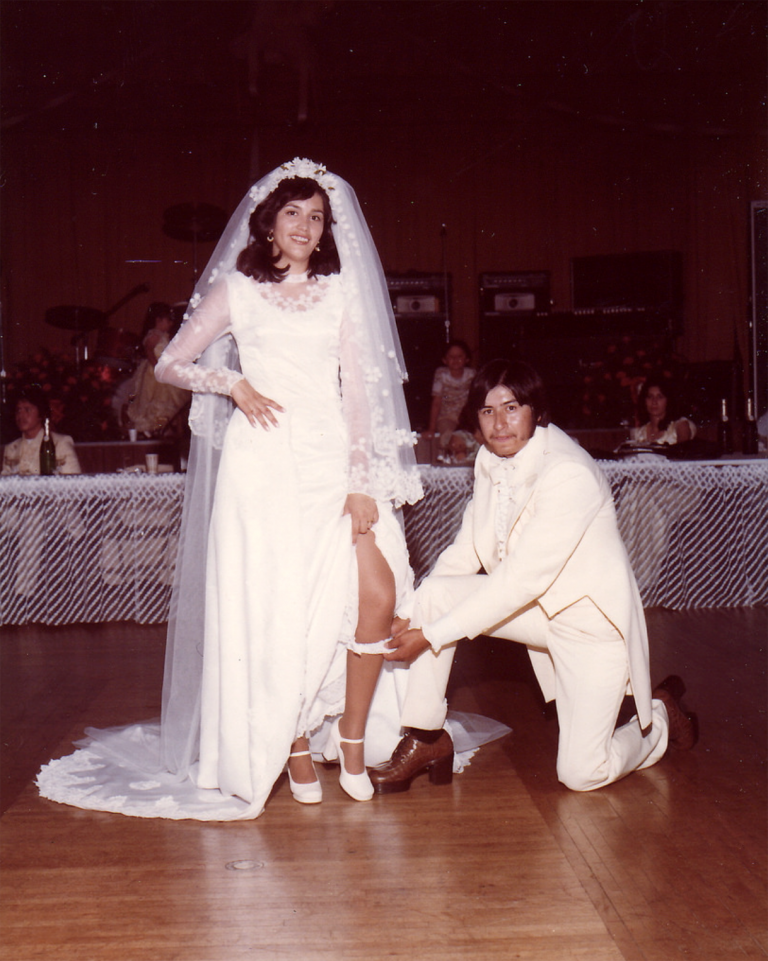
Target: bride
(303, 542)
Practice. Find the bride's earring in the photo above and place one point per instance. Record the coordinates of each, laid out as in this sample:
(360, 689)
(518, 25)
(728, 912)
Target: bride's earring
(270, 237)
(317, 249)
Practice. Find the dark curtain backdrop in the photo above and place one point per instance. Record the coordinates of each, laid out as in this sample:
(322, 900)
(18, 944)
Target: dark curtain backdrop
(82, 207)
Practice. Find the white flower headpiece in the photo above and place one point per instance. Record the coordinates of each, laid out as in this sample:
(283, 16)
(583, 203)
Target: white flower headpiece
(298, 167)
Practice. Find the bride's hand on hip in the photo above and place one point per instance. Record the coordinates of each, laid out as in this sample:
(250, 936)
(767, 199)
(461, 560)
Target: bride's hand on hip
(364, 513)
(254, 405)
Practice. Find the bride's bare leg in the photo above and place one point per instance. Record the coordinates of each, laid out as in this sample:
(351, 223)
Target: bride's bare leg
(302, 770)
(376, 610)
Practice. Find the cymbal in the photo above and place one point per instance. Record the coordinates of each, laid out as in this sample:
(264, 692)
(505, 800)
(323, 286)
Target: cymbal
(201, 222)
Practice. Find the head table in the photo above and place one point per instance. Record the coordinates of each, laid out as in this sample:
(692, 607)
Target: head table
(102, 547)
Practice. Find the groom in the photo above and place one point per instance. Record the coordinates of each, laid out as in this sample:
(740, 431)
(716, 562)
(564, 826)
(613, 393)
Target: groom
(538, 560)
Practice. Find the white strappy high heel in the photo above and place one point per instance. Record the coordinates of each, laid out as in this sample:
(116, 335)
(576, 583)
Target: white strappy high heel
(357, 786)
(310, 792)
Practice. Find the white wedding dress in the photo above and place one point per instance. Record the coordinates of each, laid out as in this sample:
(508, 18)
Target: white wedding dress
(281, 577)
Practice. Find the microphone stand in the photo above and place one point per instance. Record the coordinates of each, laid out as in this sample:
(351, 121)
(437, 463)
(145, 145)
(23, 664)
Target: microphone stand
(443, 237)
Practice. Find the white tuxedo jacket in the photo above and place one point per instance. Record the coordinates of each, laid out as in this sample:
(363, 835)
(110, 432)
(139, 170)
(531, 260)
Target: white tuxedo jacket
(562, 544)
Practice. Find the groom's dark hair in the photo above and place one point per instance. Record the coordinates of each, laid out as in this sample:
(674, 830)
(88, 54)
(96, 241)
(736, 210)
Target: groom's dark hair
(518, 377)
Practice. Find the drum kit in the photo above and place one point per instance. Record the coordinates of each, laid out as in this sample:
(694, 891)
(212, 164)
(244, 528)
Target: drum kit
(118, 348)
(195, 222)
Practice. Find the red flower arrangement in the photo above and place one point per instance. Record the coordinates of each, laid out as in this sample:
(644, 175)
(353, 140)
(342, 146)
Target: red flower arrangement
(80, 396)
(610, 389)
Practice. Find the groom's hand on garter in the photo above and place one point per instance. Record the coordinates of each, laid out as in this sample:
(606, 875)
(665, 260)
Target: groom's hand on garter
(406, 646)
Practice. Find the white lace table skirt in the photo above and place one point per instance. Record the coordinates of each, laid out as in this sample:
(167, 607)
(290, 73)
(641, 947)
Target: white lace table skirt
(90, 549)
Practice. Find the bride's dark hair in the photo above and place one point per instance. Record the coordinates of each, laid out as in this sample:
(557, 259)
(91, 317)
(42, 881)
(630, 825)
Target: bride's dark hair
(257, 260)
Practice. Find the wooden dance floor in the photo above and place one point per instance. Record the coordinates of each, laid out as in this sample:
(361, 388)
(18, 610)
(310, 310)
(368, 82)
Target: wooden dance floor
(505, 863)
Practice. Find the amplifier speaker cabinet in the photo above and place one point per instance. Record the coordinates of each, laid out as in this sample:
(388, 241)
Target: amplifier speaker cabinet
(507, 303)
(419, 304)
(650, 279)
(511, 293)
(416, 304)
(506, 298)
(423, 346)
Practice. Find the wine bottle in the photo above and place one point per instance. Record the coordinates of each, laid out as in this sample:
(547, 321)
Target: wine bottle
(725, 436)
(749, 445)
(47, 451)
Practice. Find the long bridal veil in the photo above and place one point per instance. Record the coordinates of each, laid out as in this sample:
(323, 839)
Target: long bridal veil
(148, 769)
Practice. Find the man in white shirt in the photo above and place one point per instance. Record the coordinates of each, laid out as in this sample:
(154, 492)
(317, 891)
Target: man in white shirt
(538, 560)
(22, 456)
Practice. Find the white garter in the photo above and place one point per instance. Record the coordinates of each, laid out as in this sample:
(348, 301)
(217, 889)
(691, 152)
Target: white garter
(375, 647)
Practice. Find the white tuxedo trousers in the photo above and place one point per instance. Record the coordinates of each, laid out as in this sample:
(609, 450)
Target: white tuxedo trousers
(591, 676)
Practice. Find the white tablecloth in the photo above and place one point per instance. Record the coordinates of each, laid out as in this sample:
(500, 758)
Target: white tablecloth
(89, 549)
(696, 534)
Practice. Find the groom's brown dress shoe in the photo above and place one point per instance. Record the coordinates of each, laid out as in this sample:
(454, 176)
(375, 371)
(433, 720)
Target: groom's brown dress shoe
(683, 727)
(412, 757)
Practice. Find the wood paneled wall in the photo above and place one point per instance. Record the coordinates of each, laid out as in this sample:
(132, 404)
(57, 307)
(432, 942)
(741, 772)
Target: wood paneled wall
(82, 207)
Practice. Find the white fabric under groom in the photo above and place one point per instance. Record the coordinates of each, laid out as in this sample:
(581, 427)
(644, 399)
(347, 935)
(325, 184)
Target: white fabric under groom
(542, 527)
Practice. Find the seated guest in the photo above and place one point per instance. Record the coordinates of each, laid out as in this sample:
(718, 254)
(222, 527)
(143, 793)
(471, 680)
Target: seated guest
(61, 420)
(538, 560)
(449, 391)
(22, 456)
(154, 404)
(462, 449)
(657, 403)
(762, 431)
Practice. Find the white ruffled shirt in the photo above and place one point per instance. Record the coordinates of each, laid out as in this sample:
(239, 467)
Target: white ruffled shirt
(509, 476)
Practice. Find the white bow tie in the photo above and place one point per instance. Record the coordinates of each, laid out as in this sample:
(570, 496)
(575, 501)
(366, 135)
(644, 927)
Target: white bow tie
(503, 470)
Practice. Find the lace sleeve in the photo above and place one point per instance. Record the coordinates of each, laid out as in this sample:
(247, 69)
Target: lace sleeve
(357, 414)
(177, 362)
